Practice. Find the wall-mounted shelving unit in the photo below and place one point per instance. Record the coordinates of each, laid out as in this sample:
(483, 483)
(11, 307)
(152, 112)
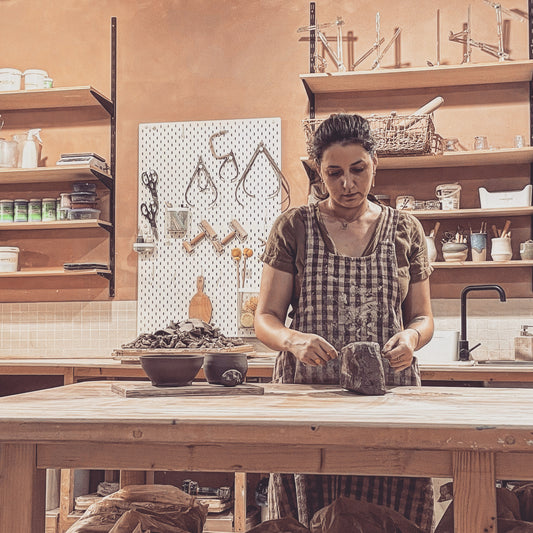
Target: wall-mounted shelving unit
(61, 98)
(377, 82)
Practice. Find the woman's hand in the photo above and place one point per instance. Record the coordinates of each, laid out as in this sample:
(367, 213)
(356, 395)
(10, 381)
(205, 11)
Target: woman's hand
(311, 349)
(399, 349)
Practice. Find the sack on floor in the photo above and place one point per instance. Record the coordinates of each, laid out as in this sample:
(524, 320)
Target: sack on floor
(163, 508)
(355, 516)
(281, 525)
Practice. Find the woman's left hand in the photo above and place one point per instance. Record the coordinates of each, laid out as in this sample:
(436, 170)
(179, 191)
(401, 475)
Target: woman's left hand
(399, 349)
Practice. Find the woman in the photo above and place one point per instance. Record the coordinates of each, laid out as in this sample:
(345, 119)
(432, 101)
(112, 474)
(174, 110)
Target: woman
(352, 270)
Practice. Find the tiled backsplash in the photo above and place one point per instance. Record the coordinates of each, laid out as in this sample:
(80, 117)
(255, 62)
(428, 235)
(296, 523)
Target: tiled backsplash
(493, 323)
(95, 329)
(66, 329)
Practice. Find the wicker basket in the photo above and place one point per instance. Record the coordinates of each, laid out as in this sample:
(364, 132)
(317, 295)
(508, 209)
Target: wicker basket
(395, 135)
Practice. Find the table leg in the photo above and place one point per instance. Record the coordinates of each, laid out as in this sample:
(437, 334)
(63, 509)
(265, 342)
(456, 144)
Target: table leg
(474, 492)
(66, 497)
(239, 508)
(22, 489)
(132, 477)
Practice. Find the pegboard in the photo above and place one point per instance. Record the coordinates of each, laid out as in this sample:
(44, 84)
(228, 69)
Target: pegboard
(167, 276)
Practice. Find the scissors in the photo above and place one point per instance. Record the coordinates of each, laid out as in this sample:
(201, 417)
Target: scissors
(150, 180)
(149, 212)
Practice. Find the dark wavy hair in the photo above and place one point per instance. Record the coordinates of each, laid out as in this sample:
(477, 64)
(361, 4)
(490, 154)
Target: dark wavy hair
(344, 129)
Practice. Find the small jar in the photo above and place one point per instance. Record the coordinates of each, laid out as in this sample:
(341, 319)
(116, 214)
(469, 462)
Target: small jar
(481, 143)
(49, 210)
(34, 78)
(419, 204)
(20, 210)
(6, 211)
(35, 210)
(405, 202)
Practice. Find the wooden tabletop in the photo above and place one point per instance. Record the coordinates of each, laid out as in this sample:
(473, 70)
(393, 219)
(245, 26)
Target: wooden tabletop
(424, 417)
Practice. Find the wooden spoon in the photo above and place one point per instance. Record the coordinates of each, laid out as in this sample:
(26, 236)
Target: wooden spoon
(200, 304)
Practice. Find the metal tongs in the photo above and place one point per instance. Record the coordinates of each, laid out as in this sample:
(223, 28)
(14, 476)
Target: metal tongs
(228, 158)
(205, 182)
(282, 183)
(337, 57)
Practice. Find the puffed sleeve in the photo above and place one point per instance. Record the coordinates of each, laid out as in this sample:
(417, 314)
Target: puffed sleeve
(281, 247)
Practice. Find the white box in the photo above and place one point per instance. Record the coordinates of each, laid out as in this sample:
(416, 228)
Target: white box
(442, 348)
(504, 199)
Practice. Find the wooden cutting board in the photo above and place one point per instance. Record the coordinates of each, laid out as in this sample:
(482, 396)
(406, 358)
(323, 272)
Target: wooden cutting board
(132, 355)
(144, 389)
(200, 304)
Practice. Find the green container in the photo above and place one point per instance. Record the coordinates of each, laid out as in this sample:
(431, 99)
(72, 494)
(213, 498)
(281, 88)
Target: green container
(6, 211)
(34, 210)
(49, 209)
(20, 210)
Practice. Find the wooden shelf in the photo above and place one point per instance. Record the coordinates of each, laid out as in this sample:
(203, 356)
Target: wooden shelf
(55, 224)
(482, 264)
(63, 173)
(422, 77)
(472, 213)
(505, 156)
(52, 272)
(56, 98)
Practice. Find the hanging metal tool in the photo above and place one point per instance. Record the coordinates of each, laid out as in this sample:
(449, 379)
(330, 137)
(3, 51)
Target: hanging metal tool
(150, 212)
(380, 53)
(149, 179)
(321, 62)
(282, 183)
(229, 159)
(205, 182)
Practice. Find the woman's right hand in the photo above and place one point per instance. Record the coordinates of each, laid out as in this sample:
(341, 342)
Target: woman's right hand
(311, 349)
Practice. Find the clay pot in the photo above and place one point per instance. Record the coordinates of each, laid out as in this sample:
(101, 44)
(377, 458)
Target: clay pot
(227, 369)
(171, 370)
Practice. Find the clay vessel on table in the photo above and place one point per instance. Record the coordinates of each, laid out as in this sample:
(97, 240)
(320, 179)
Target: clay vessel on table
(171, 370)
(227, 369)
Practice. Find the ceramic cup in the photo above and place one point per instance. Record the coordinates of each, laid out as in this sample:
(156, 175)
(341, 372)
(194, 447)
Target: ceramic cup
(526, 250)
(478, 245)
(501, 249)
(432, 250)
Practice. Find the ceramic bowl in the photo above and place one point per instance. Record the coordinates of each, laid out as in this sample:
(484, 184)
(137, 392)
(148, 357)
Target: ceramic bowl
(454, 252)
(171, 370)
(227, 369)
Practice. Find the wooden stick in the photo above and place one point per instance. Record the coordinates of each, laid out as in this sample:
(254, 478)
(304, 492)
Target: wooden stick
(494, 230)
(506, 228)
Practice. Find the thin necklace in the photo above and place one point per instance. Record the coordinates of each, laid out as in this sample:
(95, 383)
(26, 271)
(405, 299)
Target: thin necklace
(343, 222)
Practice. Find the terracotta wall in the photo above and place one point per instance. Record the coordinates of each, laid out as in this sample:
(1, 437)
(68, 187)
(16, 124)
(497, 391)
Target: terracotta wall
(182, 60)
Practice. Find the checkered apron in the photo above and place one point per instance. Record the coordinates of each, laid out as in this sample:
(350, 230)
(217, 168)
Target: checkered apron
(347, 299)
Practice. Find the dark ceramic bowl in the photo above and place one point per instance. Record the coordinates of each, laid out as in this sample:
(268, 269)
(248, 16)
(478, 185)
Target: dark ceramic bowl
(171, 370)
(227, 369)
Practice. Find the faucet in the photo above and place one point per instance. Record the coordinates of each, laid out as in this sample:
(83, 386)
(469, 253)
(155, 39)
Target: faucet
(464, 351)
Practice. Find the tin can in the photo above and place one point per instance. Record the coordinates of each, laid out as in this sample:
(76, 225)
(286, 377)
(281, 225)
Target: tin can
(49, 209)
(6, 210)
(20, 210)
(34, 210)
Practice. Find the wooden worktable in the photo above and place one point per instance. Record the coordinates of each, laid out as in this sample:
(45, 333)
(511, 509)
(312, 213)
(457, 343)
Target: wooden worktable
(74, 370)
(473, 435)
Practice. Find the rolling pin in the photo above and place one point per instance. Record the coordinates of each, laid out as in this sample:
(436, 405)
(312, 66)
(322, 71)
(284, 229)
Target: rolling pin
(426, 109)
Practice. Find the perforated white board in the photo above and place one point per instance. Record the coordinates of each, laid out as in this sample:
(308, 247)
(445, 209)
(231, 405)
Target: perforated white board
(167, 277)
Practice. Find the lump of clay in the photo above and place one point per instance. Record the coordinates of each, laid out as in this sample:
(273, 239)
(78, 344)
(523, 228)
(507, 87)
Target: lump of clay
(361, 368)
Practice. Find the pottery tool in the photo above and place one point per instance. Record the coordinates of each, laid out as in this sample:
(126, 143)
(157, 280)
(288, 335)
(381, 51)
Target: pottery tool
(247, 252)
(236, 254)
(495, 231)
(191, 245)
(426, 109)
(433, 232)
(200, 304)
(506, 228)
(211, 234)
(237, 231)
(429, 63)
